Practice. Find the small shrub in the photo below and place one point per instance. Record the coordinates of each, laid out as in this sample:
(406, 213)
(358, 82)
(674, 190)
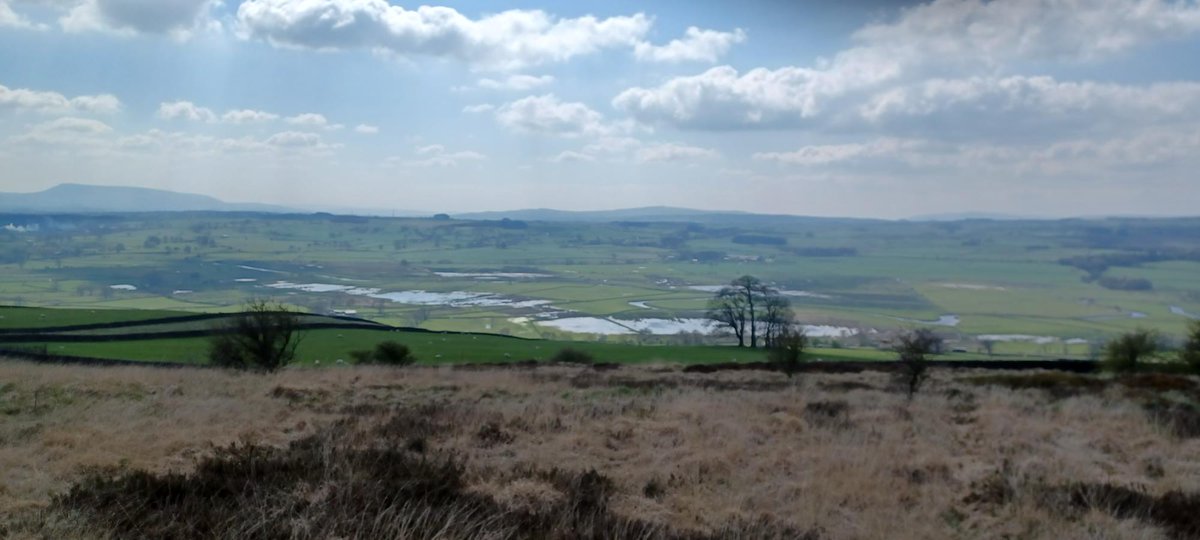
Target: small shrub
(1123, 354)
(787, 351)
(1190, 353)
(361, 357)
(393, 354)
(389, 353)
(572, 356)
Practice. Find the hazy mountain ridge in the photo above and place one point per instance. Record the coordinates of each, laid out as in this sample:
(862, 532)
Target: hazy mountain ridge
(648, 214)
(67, 198)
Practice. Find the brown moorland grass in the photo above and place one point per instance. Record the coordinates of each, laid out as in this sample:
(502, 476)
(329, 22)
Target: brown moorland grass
(568, 452)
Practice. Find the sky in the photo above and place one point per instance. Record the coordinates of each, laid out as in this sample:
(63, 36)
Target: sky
(857, 108)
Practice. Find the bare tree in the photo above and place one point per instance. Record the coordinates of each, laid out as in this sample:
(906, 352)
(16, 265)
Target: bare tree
(728, 309)
(752, 291)
(912, 348)
(264, 336)
(777, 316)
(988, 345)
(751, 309)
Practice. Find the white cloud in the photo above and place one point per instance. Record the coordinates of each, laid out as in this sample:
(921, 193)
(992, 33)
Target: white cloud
(185, 110)
(175, 17)
(480, 108)
(995, 31)
(1028, 108)
(436, 155)
(1043, 94)
(673, 152)
(10, 18)
(366, 129)
(546, 114)
(308, 119)
(944, 39)
(697, 46)
(247, 116)
(294, 139)
(723, 98)
(515, 82)
(65, 131)
(283, 144)
(612, 145)
(507, 40)
(814, 155)
(825, 154)
(572, 156)
(23, 99)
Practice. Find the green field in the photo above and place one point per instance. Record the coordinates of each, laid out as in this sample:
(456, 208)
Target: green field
(1000, 279)
(327, 346)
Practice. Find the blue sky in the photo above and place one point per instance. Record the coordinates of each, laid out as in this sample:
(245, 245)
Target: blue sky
(869, 108)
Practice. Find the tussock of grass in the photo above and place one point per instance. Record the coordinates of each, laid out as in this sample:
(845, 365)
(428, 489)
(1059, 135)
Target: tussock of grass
(350, 483)
(1177, 512)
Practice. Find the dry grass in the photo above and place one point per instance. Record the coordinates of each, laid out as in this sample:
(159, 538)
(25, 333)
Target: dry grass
(842, 456)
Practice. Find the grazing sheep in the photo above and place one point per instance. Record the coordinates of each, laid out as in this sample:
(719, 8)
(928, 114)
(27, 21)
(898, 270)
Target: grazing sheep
(340, 361)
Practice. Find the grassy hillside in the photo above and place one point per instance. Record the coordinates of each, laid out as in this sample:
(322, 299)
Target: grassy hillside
(88, 453)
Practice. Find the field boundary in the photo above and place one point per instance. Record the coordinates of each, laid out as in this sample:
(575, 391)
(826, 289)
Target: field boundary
(1072, 366)
(152, 322)
(1069, 366)
(27, 355)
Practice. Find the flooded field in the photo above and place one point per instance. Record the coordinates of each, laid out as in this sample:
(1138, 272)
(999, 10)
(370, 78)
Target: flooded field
(418, 297)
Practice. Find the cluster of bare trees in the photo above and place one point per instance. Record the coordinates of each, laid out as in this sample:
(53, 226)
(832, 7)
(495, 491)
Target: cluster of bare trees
(751, 310)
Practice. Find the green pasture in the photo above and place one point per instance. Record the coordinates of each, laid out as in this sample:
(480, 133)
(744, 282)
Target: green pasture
(325, 347)
(22, 317)
(897, 274)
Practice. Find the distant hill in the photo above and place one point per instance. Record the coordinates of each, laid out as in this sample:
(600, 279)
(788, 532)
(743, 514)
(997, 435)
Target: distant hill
(70, 198)
(964, 216)
(646, 214)
(649, 213)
